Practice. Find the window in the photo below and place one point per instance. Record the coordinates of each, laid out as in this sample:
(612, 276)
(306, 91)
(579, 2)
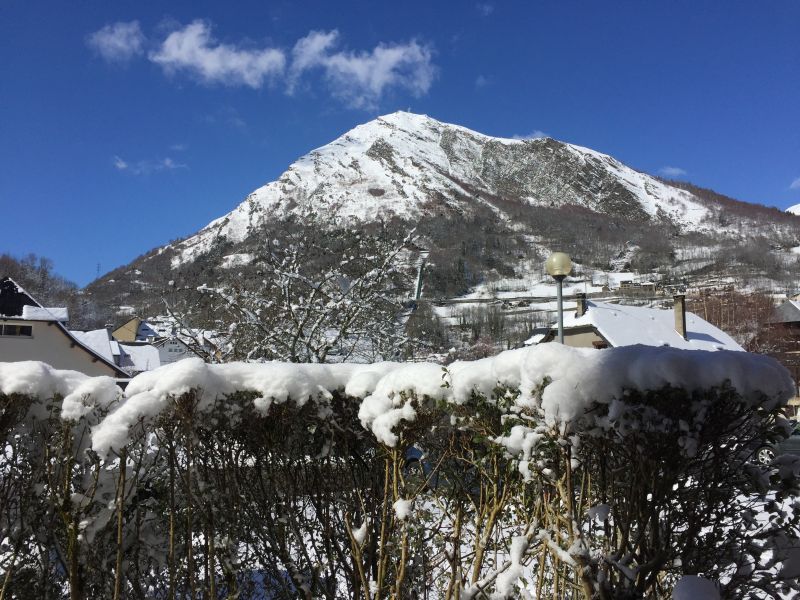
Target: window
(16, 330)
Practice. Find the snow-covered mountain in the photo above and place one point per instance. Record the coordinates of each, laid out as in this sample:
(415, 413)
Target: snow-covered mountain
(487, 208)
(409, 165)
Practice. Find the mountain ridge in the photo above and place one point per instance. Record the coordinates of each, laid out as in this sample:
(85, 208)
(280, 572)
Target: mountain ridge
(483, 205)
(397, 158)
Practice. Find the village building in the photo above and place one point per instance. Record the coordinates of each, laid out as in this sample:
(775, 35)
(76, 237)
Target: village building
(30, 331)
(605, 325)
(172, 349)
(171, 342)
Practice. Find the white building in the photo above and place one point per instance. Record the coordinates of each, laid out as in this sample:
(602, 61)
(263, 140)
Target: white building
(29, 331)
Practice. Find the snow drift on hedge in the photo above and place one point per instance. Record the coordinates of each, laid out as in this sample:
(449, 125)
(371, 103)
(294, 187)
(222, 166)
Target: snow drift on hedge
(80, 394)
(577, 378)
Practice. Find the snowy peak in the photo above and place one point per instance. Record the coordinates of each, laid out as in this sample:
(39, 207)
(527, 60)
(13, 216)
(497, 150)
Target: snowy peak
(407, 165)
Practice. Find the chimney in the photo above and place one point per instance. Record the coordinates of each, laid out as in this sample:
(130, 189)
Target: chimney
(680, 315)
(580, 310)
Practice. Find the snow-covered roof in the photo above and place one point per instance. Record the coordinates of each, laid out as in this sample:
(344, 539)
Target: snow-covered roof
(165, 340)
(624, 325)
(787, 312)
(143, 357)
(147, 330)
(98, 340)
(40, 313)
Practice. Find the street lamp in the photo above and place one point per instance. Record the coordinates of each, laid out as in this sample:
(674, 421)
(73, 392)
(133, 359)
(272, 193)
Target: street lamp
(558, 266)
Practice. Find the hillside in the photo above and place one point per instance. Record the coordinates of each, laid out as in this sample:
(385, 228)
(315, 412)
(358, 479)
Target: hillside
(487, 208)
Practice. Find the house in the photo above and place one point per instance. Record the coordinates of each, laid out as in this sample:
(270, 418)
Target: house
(606, 325)
(138, 358)
(173, 342)
(787, 314)
(133, 358)
(172, 349)
(30, 331)
(135, 330)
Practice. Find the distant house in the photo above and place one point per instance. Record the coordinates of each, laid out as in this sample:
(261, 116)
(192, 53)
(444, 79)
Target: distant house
(133, 358)
(172, 349)
(135, 330)
(138, 358)
(173, 343)
(30, 331)
(787, 314)
(605, 325)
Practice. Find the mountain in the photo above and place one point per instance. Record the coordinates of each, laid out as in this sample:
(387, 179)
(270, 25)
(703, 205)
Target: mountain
(483, 206)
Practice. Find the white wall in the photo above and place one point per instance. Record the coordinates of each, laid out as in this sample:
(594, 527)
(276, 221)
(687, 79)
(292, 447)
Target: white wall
(50, 344)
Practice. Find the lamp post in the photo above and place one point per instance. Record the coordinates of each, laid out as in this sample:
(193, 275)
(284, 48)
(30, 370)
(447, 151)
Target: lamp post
(558, 266)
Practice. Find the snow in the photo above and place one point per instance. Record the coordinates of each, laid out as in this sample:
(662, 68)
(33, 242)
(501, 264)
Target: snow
(624, 325)
(402, 509)
(81, 394)
(505, 584)
(360, 534)
(98, 340)
(39, 313)
(231, 261)
(142, 357)
(410, 165)
(694, 587)
(578, 378)
(652, 194)
(794, 209)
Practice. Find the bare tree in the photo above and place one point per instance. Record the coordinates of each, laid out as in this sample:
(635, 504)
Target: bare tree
(320, 290)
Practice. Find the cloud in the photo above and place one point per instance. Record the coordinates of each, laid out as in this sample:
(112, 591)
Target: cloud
(485, 9)
(672, 172)
(795, 185)
(360, 79)
(534, 135)
(118, 42)
(481, 81)
(194, 50)
(178, 147)
(146, 167)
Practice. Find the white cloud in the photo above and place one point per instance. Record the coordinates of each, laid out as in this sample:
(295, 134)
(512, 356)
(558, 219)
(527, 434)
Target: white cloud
(481, 81)
(534, 135)
(178, 147)
(118, 42)
(193, 49)
(485, 9)
(309, 52)
(360, 79)
(795, 185)
(672, 171)
(146, 167)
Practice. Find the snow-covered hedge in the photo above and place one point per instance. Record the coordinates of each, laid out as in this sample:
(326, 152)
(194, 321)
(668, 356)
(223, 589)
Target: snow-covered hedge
(566, 472)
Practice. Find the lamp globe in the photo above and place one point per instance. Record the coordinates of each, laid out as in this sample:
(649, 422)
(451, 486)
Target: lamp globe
(558, 264)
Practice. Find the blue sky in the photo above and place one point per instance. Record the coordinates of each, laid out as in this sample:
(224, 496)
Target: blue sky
(125, 124)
